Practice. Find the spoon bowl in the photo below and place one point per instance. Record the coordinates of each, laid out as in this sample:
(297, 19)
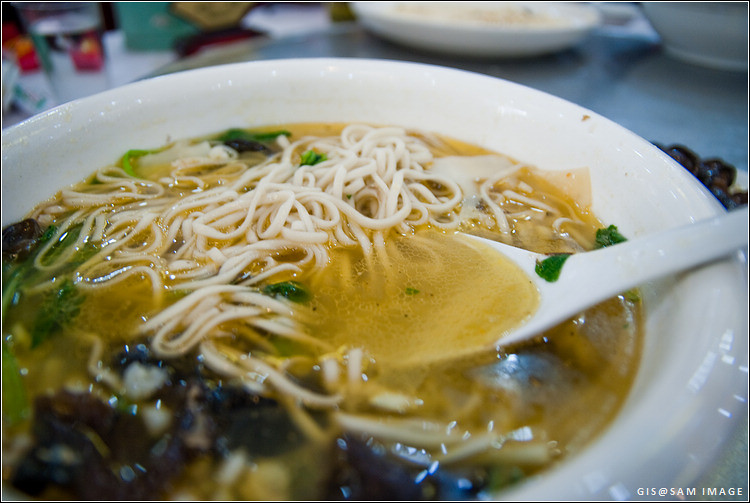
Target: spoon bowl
(592, 277)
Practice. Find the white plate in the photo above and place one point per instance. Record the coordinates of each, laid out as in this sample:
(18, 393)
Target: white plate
(480, 29)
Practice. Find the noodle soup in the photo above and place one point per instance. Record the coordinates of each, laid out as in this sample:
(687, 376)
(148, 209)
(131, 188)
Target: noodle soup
(294, 313)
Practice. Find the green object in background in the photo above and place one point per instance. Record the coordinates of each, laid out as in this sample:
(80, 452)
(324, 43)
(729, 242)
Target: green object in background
(339, 11)
(151, 26)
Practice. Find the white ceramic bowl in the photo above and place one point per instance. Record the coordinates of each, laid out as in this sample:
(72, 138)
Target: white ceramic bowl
(712, 34)
(480, 29)
(692, 384)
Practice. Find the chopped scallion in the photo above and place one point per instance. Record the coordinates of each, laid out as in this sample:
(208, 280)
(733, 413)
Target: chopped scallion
(311, 158)
(288, 289)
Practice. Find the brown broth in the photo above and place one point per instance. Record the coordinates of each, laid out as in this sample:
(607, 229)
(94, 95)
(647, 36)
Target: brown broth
(424, 293)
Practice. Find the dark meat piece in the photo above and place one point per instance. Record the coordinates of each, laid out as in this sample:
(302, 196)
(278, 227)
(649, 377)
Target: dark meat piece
(715, 174)
(93, 451)
(20, 239)
(181, 369)
(243, 145)
(229, 416)
(136, 353)
(684, 156)
(96, 452)
(365, 472)
(259, 425)
(226, 417)
(730, 201)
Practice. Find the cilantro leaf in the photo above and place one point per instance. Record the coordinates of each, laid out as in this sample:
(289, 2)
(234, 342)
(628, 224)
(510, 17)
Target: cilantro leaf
(549, 269)
(289, 289)
(608, 237)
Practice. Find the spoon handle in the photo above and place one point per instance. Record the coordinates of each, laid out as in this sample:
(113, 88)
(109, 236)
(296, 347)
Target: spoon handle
(589, 278)
(639, 260)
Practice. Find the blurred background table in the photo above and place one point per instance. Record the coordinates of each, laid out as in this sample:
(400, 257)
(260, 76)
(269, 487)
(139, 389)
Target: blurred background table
(620, 71)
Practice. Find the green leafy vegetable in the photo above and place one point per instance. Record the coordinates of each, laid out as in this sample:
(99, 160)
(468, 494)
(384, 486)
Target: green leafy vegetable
(288, 289)
(411, 291)
(130, 156)
(311, 158)
(15, 401)
(65, 240)
(57, 310)
(549, 269)
(501, 476)
(608, 237)
(242, 134)
(16, 274)
(12, 279)
(47, 234)
(59, 307)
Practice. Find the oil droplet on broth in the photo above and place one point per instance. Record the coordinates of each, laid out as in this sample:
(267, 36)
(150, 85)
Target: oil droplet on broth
(427, 297)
